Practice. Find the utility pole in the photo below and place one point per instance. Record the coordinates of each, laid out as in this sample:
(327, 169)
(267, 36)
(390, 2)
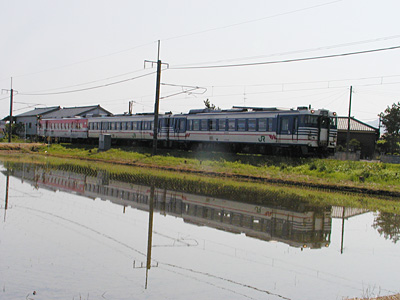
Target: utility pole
(11, 110)
(157, 101)
(348, 125)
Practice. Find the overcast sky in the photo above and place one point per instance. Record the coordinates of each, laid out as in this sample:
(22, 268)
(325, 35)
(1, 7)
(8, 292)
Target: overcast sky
(81, 52)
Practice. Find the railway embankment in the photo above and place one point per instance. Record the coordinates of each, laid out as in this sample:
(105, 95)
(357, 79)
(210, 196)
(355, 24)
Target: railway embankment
(368, 178)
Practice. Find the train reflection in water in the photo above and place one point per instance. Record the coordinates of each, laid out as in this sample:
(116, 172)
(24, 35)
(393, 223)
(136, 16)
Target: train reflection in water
(299, 226)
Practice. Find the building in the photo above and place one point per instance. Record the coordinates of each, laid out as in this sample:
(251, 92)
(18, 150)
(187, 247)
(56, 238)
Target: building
(30, 118)
(78, 111)
(366, 134)
(2, 129)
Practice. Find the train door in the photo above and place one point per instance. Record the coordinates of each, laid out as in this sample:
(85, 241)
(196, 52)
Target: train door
(283, 129)
(294, 131)
(179, 126)
(323, 134)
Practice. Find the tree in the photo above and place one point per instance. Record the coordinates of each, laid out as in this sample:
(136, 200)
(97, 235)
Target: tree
(209, 105)
(390, 118)
(388, 225)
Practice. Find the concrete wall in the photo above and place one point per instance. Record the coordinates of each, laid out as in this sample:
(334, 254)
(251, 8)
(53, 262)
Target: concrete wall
(391, 159)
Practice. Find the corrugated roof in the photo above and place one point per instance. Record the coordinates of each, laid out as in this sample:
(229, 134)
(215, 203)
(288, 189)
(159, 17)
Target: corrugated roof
(38, 111)
(355, 125)
(70, 112)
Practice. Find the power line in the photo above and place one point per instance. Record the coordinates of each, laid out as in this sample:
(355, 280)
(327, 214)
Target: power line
(252, 21)
(89, 88)
(84, 61)
(89, 82)
(287, 60)
(302, 50)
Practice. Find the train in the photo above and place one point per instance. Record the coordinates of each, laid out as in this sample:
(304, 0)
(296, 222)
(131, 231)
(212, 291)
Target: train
(301, 131)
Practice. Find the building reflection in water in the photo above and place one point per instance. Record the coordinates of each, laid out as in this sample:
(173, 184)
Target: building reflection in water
(299, 225)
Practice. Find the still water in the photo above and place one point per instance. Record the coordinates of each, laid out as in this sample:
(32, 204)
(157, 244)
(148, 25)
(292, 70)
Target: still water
(71, 235)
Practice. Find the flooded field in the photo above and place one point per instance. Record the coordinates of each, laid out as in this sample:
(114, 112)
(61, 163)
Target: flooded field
(70, 233)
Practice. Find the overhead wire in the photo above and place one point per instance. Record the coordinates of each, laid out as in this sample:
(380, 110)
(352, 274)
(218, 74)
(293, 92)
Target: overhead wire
(89, 88)
(89, 82)
(286, 60)
(300, 51)
(252, 21)
(85, 61)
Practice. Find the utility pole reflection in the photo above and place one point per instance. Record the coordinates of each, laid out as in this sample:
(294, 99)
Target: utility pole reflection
(342, 241)
(150, 233)
(7, 187)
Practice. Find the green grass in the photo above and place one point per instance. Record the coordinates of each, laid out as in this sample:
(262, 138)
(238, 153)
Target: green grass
(370, 175)
(219, 187)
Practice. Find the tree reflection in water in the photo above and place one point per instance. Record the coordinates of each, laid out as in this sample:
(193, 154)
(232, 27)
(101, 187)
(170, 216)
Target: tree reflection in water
(388, 225)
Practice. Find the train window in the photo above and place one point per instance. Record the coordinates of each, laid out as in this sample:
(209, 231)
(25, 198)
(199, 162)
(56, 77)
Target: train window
(212, 123)
(333, 123)
(182, 123)
(284, 124)
(189, 124)
(196, 124)
(262, 124)
(222, 124)
(204, 126)
(325, 123)
(231, 124)
(270, 124)
(252, 124)
(241, 124)
(311, 120)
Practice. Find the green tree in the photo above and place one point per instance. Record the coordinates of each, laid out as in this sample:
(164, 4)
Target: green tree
(210, 105)
(390, 119)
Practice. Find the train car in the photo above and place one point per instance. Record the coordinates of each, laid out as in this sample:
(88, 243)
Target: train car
(130, 128)
(300, 131)
(63, 128)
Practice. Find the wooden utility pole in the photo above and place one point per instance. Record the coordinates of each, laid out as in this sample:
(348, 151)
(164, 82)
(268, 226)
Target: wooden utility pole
(11, 110)
(150, 232)
(157, 102)
(348, 125)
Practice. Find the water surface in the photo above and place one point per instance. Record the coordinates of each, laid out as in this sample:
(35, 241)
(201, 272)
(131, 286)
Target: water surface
(71, 235)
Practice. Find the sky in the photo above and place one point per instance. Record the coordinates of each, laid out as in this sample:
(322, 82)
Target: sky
(261, 53)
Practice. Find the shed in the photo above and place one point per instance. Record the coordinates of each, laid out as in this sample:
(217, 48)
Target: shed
(366, 134)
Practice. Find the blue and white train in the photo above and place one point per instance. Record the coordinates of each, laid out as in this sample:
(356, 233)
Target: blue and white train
(301, 131)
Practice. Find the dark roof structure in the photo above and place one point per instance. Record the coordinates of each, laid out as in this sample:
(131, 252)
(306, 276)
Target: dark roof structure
(39, 111)
(355, 125)
(79, 111)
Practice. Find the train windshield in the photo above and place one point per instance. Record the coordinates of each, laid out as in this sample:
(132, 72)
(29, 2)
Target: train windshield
(333, 123)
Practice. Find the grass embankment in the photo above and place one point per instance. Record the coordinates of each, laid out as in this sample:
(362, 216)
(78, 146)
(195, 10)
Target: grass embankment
(361, 177)
(218, 187)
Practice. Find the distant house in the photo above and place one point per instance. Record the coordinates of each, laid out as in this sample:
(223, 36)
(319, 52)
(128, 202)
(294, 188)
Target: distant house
(366, 134)
(78, 111)
(29, 119)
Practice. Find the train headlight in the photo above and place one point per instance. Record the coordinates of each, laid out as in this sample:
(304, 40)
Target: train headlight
(334, 113)
(312, 111)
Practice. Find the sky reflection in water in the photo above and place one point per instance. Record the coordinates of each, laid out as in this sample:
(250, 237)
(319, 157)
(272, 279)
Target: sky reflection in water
(68, 235)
